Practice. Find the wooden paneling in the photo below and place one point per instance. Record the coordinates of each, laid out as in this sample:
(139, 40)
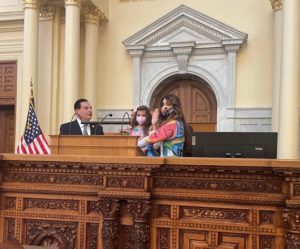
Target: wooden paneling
(8, 79)
(7, 129)
(89, 202)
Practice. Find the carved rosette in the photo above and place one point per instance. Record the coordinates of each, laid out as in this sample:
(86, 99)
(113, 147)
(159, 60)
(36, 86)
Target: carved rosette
(276, 4)
(93, 15)
(110, 209)
(292, 219)
(30, 4)
(140, 211)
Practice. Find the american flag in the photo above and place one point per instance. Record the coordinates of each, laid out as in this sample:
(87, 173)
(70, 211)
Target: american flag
(33, 141)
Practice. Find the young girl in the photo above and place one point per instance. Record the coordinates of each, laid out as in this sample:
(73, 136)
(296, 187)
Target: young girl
(140, 122)
(168, 128)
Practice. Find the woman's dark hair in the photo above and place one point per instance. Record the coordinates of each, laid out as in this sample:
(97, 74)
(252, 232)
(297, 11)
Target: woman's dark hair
(177, 113)
(147, 124)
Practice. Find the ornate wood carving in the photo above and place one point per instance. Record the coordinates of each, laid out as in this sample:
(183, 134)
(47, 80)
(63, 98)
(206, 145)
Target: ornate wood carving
(215, 214)
(58, 234)
(267, 242)
(221, 185)
(126, 237)
(292, 219)
(164, 211)
(163, 238)
(110, 209)
(10, 203)
(140, 211)
(51, 204)
(70, 215)
(297, 189)
(92, 236)
(10, 228)
(125, 182)
(266, 217)
(53, 178)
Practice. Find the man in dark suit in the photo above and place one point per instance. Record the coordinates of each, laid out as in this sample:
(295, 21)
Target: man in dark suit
(83, 112)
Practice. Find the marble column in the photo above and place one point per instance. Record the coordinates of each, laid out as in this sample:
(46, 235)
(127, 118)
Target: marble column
(46, 64)
(92, 16)
(30, 52)
(72, 57)
(288, 134)
(277, 17)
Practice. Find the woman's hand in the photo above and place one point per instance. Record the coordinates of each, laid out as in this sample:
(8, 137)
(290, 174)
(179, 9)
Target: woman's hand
(155, 117)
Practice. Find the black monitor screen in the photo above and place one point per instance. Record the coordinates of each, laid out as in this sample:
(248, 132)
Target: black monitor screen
(235, 144)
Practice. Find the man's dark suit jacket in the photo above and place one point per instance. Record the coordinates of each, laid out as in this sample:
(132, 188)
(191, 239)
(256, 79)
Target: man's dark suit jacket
(73, 128)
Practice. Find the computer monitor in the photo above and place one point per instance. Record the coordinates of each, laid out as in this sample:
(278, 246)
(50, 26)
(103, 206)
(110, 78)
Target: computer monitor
(234, 144)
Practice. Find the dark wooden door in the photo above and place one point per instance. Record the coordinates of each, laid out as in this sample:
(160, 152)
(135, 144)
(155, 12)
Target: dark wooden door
(7, 129)
(198, 102)
(8, 84)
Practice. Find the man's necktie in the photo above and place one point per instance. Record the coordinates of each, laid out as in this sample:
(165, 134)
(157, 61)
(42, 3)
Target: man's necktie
(85, 131)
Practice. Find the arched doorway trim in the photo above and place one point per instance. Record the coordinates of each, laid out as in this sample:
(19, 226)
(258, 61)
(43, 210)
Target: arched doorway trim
(186, 41)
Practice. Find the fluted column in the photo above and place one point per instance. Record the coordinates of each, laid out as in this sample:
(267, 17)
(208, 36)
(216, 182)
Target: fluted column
(30, 50)
(92, 17)
(46, 64)
(72, 52)
(277, 17)
(288, 134)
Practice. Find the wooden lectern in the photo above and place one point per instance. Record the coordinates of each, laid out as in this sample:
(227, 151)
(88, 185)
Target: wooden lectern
(107, 145)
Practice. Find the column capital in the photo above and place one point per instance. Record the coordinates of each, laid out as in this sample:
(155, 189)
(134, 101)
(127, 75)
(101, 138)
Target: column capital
(276, 4)
(47, 12)
(30, 4)
(92, 15)
(73, 2)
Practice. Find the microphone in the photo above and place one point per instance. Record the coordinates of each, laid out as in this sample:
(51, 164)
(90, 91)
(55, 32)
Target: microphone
(107, 115)
(126, 113)
(96, 122)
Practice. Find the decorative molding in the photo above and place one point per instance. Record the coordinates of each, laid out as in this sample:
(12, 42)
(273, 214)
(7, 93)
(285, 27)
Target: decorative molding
(174, 44)
(54, 178)
(31, 4)
(10, 228)
(221, 185)
(276, 4)
(92, 231)
(213, 227)
(93, 15)
(163, 238)
(125, 182)
(10, 203)
(266, 217)
(73, 3)
(267, 242)
(51, 204)
(215, 214)
(47, 12)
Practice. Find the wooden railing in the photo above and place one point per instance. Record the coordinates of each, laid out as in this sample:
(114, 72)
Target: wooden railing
(136, 202)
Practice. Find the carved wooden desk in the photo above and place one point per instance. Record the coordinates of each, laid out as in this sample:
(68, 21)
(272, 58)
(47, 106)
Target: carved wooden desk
(135, 202)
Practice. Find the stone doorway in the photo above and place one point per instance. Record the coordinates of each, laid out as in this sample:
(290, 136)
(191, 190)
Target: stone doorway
(198, 100)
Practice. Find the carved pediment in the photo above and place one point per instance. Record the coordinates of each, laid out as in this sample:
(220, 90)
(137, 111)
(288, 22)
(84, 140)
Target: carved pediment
(185, 25)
